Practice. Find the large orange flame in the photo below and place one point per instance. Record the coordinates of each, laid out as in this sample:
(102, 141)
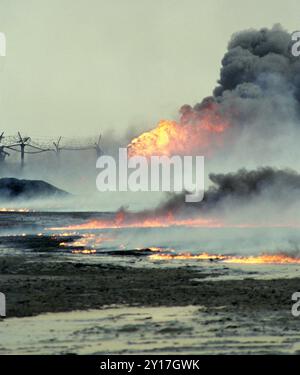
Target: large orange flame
(184, 138)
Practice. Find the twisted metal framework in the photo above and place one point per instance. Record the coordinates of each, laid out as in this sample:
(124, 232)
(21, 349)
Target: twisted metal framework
(26, 145)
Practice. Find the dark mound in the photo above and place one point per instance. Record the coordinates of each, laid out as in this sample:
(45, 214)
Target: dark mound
(13, 188)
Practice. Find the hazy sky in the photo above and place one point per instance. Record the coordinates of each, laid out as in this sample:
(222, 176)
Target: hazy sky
(75, 67)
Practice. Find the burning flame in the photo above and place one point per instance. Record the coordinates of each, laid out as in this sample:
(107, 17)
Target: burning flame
(121, 220)
(124, 219)
(183, 256)
(84, 251)
(184, 138)
(14, 209)
(86, 240)
(264, 258)
(259, 259)
(156, 249)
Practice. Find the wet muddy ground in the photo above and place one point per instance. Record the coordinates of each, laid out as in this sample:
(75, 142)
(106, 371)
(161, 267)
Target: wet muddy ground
(124, 302)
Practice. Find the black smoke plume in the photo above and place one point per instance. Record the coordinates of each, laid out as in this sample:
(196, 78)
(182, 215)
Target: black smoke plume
(279, 186)
(259, 80)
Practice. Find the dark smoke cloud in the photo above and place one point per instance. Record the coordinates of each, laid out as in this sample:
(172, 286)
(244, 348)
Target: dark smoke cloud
(259, 80)
(253, 53)
(243, 187)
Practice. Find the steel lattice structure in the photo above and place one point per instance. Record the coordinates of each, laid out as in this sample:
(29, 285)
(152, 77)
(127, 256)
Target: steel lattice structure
(27, 145)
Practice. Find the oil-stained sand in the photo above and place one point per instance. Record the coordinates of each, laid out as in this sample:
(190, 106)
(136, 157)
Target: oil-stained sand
(38, 284)
(138, 305)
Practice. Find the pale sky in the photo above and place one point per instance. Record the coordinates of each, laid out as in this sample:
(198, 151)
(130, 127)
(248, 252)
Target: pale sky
(77, 67)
